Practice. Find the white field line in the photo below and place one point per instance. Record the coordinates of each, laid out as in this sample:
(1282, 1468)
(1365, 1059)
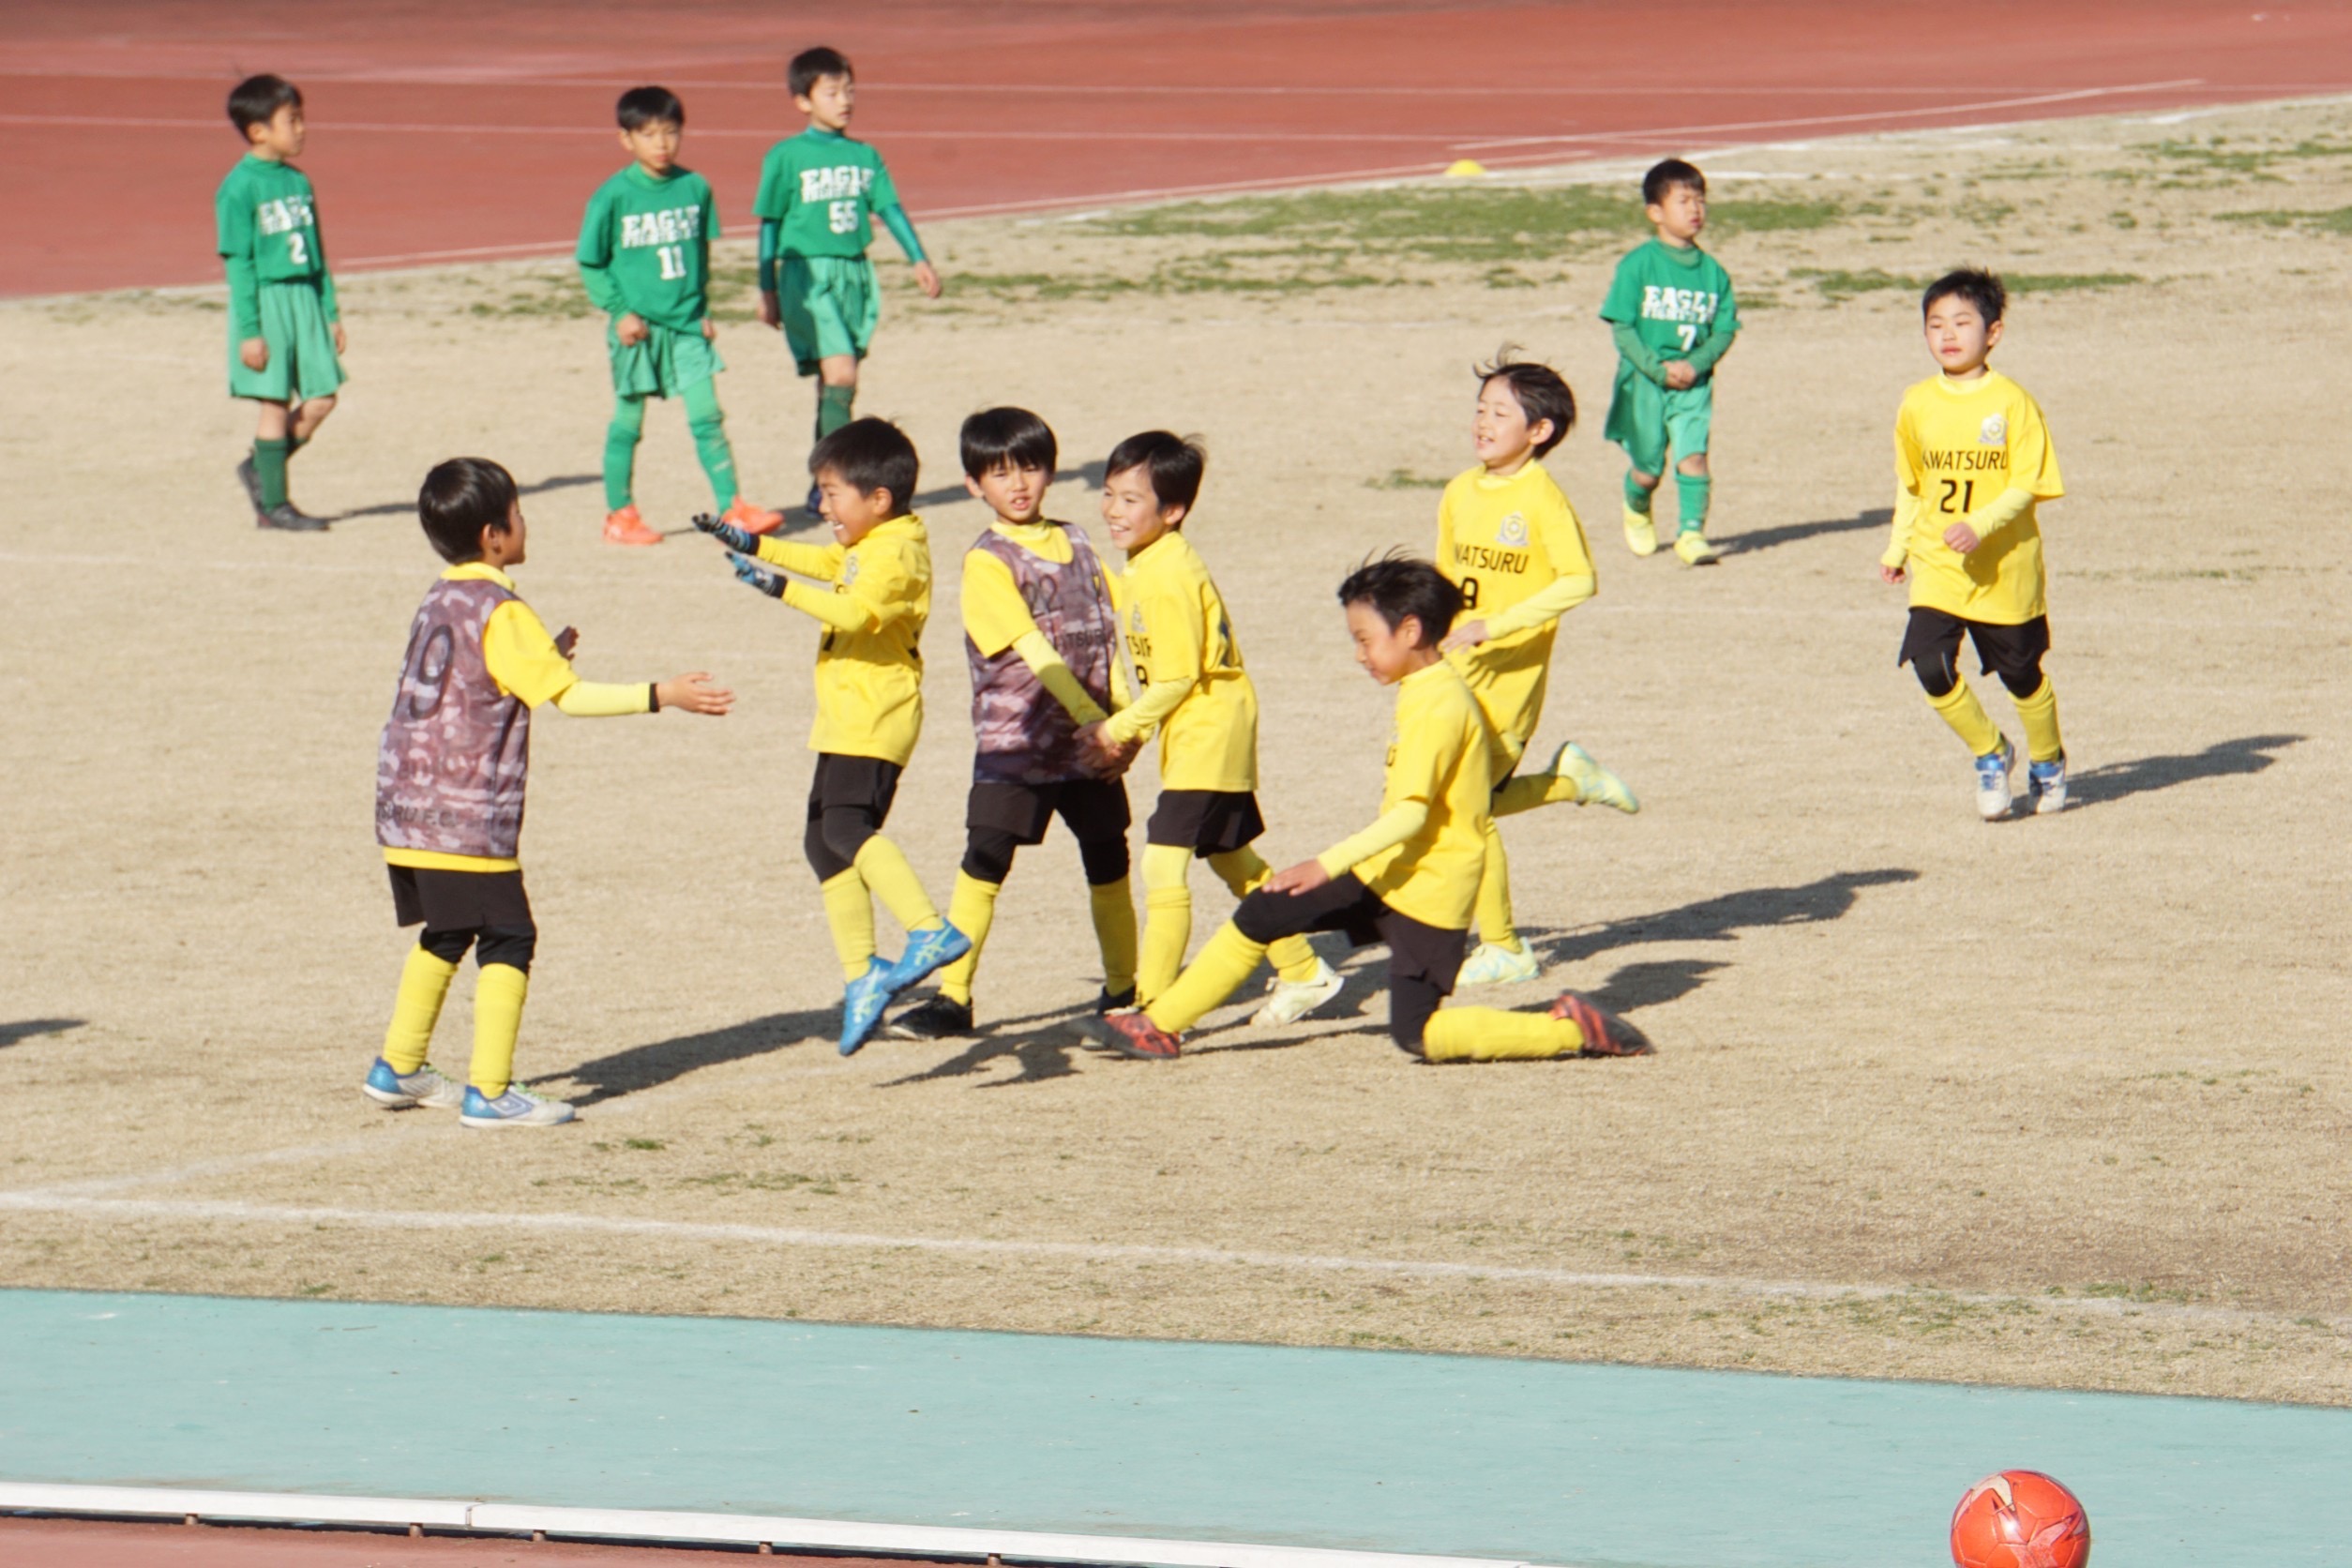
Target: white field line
(236, 1213)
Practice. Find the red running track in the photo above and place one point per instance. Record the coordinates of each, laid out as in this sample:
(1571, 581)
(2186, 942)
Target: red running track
(442, 129)
(35, 1543)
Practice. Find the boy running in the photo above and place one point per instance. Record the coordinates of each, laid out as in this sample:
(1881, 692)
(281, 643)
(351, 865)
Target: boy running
(1041, 637)
(645, 258)
(1201, 703)
(1671, 312)
(869, 701)
(1509, 540)
(450, 772)
(285, 333)
(818, 195)
(1972, 462)
(1411, 878)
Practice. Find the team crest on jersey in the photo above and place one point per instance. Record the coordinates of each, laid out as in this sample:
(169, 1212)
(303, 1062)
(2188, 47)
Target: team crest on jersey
(1512, 530)
(1993, 432)
(1135, 620)
(849, 570)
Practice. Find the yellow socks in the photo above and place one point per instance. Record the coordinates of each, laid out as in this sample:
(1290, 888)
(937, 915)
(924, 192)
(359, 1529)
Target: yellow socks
(851, 913)
(1495, 922)
(972, 911)
(2038, 715)
(1241, 870)
(1960, 709)
(1166, 918)
(424, 982)
(1112, 905)
(1228, 959)
(1492, 1035)
(884, 867)
(499, 990)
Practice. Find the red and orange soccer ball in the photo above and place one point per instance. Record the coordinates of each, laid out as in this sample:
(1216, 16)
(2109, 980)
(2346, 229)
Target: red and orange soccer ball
(2020, 1520)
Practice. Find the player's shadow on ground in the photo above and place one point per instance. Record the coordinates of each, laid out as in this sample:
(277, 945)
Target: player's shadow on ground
(2221, 759)
(28, 1029)
(408, 508)
(1723, 917)
(1042, 1043)
(1788, 534)
(649, 1066)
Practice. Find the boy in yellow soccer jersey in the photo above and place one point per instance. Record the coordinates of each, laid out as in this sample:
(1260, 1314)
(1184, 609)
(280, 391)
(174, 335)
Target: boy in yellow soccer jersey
(450, 772)
(1041, 638)
(285, 334)
(1972, 464)
(1411, 878)
(1509, 540)
(1198, 698)
(870, 701)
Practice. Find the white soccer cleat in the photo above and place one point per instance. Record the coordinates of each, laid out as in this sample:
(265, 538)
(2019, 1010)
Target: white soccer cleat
(398, 1091)
(518, 1107)
(1293, 1000)
(2045, 784)
(1992, 794)
(1494, 965)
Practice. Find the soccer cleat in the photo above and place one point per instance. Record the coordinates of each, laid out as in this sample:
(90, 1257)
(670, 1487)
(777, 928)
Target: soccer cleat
(250, 478)
(518, 1107)
(1641, 533)
(1594, 784)
(1496, 965)
(1604, 1034)
(926, 950)
(1991, 781)
(287, 518)
(816, 503)
(1293, 1000)
(1108, 1000)
(1692, 546)
(1131, 1032)
(861, 1005)
(2045, 785)
(398, 1091)
(940, 1017)
(624, 527)
(750, 519)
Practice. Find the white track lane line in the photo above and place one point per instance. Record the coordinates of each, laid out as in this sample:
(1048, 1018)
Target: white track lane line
(229, 1211)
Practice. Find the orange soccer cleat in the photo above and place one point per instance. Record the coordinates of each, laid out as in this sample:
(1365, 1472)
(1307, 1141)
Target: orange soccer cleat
(750, 519)
(624, 527)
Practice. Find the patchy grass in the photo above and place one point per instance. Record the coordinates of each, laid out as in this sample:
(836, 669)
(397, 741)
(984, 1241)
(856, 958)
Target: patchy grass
(1839, 284)
(1399, 480)
(2337, 222)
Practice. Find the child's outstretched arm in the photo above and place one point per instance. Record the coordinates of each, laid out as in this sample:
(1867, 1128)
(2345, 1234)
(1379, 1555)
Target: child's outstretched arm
(841, 611)
(526, 662)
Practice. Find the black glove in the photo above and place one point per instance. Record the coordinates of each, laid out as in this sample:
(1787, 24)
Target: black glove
(749, 569)
(727, 534)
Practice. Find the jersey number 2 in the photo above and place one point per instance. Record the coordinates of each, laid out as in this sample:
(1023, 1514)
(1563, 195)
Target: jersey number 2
(298, 253)
(673, 262)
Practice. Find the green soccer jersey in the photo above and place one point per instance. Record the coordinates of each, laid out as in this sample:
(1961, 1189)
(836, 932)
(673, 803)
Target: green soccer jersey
(645, 245)
(268, 222)
(1675, 298)
(823, 191)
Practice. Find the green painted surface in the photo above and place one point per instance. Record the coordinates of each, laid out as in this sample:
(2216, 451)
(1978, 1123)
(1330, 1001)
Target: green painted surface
(1541, 1460)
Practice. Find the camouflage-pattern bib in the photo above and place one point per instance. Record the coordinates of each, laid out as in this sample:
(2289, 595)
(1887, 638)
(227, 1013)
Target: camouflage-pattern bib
(450, 768)
(1021, 735)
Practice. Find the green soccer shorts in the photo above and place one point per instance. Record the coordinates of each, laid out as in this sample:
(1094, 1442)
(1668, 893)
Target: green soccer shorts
(302, 363)
(830, 306)
(662, 364)
(1649, 420)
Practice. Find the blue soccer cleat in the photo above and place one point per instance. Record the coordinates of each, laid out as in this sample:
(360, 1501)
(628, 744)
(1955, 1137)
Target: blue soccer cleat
(861, 1005)
(2045, 782)
(396, 1091)
(934, 947)
(518, 1107)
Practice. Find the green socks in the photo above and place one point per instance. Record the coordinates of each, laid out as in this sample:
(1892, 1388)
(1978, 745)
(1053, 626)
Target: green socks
(710, 440)
(620, 452)
(832, 408)
(270, 467)
(1691, 490)
(1636, 498)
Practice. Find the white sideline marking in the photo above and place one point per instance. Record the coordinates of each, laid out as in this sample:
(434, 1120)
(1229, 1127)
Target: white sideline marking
(1111, 1252)
(632, 1524)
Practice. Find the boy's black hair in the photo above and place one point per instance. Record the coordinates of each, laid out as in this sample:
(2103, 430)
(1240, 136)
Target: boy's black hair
(1397, 585)
(1980, 286)
(801, 76)
(459, 499)
(1666, 175)
(870, 455)
(1175, 465)
(257, 99)
(640, 106)
(1014, 435)
(1542, 393)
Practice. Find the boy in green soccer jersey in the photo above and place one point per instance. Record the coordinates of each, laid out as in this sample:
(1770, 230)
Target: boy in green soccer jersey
(645, 257)
(818, 195)
(1671, 312)
(284, 331)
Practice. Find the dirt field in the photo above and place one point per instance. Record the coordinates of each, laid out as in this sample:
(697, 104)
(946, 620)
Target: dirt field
(2049, 1102)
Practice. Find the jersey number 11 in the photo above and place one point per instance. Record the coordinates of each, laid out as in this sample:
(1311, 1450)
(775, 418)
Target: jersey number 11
(673, 266)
